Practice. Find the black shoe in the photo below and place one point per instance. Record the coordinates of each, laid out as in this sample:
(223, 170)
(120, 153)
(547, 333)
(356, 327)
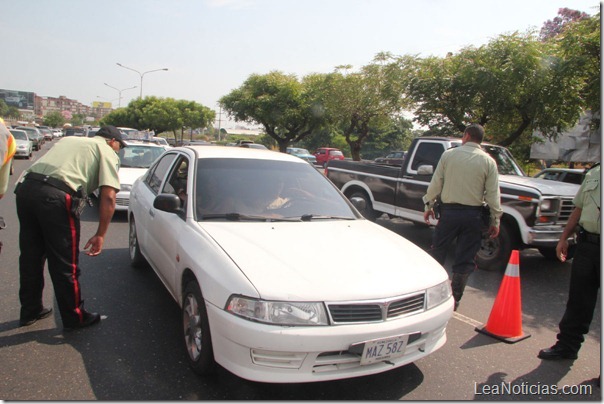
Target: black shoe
(456, 305)
(29, 321)
(556, 352)
(89, 319)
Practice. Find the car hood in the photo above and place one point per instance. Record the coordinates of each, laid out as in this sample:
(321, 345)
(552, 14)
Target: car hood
(545, 187)
(326, 260)
(21, 142)
(128, 174)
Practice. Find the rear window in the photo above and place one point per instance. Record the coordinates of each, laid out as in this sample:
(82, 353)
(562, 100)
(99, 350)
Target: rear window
(336, 153)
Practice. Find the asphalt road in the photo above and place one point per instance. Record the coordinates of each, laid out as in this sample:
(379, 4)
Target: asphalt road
(136, 353)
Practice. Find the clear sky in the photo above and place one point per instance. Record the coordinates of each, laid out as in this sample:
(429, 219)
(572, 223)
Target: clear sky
(71, 47)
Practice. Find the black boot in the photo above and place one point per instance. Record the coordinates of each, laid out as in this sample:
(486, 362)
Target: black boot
(458, 284)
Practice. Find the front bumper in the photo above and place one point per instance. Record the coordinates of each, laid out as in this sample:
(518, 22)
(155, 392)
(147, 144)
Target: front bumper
(267, 353)
(545, 236)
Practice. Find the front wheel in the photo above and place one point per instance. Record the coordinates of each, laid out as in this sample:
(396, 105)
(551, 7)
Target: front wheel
(494, 254)
(368, 212)
(137, 259)
(196, 331)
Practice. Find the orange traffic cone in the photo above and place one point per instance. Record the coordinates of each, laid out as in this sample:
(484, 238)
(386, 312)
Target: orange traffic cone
(505, 321)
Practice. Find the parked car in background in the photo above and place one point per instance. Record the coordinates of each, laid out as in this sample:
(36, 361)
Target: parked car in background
(302, 153)
(34, 135)
(325, 154)
(130, 133)
(135, 159)
(47, 133)
(57, 133)
(24, 145)
(571, 175)
(76, 131)
(393, 158)
(263, 313)
(92, 131)
(253, 146)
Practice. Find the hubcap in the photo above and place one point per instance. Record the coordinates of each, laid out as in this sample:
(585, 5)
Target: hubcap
(192, 327)
(132, 243)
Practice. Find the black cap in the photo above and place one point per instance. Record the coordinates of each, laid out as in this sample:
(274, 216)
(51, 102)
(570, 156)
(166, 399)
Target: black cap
(111, 132)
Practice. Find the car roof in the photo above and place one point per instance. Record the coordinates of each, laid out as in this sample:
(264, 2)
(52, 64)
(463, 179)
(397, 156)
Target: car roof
(566, 170)
(134, 142)
(238, 152)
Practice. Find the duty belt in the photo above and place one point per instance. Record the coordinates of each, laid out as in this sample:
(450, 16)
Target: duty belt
(588, 237)
(50, 181)
(460, 206)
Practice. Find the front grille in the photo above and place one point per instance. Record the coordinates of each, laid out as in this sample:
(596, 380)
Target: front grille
(566, 208)
(122, 201)
(365, 312)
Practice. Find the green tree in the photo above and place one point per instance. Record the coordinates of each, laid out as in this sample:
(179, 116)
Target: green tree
(362, 104)
(579, 49)
(54, 119)
(512, 86)
(278, 102)
(160, 115)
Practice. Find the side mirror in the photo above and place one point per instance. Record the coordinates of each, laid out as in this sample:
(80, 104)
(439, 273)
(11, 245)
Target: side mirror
(425, 170)
(359, 203)
(168, 203)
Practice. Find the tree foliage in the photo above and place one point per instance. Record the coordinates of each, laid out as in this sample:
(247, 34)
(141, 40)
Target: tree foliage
(513, 85)
(554, 27)
(161, 115)
(278, 102)
(54, 119)
(362, 104)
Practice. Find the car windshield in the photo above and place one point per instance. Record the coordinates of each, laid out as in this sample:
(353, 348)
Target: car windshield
(21, 135)
(139, 156)
(505, 162)
(254, 189)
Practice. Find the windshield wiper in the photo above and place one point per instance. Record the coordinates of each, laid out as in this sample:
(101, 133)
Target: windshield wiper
(309, 216)
(236, 217)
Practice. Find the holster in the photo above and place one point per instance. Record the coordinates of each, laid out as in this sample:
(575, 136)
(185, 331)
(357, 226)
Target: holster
(486, 215)
(78, 202)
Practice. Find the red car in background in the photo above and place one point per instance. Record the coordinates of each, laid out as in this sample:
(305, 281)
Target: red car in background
(324, 154)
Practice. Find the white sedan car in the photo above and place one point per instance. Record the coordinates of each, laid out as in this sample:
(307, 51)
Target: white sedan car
(135, 159)
(278, 276)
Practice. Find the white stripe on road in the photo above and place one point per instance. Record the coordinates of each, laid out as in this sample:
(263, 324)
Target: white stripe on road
(467, 320)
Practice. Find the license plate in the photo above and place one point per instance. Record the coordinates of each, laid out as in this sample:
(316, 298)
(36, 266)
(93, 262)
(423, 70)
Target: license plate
(383, 349)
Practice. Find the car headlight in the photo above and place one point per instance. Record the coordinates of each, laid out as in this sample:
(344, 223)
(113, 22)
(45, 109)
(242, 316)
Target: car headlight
(125, 187)
(546, 205)
(278, 313)
(438, 294)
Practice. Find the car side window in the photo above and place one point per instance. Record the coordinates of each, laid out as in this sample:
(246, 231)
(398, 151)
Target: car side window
(158, 172)
(177, 181)
(427, 153)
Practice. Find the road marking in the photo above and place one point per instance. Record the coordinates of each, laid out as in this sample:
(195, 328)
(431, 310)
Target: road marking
(467, 320)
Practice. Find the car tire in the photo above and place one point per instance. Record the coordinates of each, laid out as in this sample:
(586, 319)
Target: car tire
(196, 331)
(368, 213)
(137, 260)
(494, 254)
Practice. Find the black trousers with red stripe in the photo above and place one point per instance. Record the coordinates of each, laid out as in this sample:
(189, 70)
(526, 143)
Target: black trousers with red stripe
(49, 232)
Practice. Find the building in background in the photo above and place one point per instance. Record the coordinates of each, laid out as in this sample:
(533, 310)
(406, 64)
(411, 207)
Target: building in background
(34, 107)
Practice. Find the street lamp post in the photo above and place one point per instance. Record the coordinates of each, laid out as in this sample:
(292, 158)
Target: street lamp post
(141, 74)
(119, 102)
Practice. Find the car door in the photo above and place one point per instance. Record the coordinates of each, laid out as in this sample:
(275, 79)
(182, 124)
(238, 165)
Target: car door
(142, 205)
(413, 185)
(166, 228)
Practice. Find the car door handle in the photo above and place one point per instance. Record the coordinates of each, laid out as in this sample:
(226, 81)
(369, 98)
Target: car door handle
(151, 213)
